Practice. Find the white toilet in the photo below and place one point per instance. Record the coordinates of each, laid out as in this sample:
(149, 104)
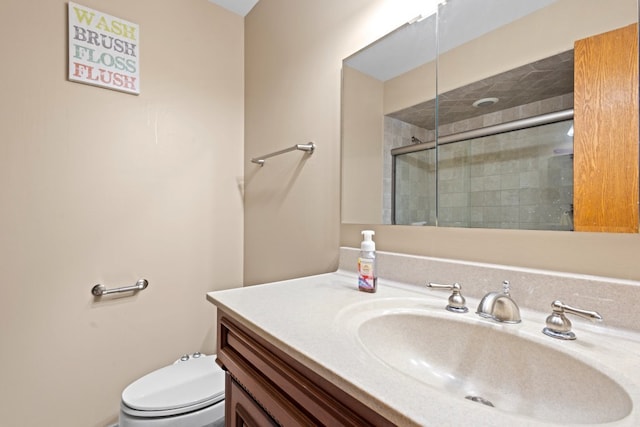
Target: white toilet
(189, 393)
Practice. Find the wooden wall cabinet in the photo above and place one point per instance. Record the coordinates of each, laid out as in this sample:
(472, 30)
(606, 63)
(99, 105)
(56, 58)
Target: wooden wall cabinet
(265, 386)
(606, 132)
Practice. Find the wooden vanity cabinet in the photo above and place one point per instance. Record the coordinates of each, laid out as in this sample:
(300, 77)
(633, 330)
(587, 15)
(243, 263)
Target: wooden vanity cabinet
(267, 387)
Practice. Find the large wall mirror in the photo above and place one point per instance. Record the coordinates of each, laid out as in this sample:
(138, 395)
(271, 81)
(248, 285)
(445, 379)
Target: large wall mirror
(497, 114)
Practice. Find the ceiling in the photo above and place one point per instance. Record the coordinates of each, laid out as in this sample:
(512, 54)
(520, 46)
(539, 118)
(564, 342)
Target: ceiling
(543, 79)
(240, 7)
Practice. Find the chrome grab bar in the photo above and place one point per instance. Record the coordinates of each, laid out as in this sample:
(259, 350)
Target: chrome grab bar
(308, 147)
(99, 290)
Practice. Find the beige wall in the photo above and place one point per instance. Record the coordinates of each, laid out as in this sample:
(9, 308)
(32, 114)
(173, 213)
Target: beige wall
(98, 186)
(413, 87)
(600, 254)
(294, 53)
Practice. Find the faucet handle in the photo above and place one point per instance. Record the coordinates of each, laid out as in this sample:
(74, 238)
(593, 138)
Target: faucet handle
(456, 300)
(559, 326)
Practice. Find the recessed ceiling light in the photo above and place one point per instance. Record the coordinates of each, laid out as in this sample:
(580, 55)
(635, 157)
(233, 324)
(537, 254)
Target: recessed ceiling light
(485, 102)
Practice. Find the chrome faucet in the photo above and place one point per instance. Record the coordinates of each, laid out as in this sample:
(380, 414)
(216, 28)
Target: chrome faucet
(499, 306)
(456, 300)
(558, 326)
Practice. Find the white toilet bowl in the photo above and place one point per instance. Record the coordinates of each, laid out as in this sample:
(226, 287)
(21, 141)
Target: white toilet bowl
(187, 394)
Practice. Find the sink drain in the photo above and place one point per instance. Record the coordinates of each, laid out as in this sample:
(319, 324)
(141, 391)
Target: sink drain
(480, 400)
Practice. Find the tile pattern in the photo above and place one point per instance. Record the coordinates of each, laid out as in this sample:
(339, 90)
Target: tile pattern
(416, 188)
(397, 134)
(515, 180)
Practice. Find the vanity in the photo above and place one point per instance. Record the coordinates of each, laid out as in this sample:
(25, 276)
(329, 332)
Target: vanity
(315, 351)
(269, 382)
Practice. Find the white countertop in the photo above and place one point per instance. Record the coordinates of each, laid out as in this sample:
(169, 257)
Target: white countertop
(312, 319)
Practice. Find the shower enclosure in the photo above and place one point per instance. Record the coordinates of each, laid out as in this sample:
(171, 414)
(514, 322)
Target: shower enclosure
(516, 175)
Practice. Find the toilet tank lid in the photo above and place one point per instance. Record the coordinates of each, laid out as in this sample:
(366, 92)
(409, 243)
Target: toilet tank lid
(177, 386)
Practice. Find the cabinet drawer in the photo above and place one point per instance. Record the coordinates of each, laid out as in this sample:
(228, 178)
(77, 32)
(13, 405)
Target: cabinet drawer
(241, 409)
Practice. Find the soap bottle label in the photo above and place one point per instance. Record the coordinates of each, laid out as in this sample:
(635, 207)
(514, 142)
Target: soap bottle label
(366, 275)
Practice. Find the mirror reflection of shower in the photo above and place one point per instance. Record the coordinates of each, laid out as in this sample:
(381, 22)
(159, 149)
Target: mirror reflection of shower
(518, 176)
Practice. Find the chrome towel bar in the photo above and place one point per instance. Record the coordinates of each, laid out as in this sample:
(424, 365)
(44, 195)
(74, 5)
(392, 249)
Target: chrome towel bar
(308, 147)
(99, 290)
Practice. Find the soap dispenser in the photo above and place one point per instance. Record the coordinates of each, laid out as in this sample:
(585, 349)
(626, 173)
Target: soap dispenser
(367, 280)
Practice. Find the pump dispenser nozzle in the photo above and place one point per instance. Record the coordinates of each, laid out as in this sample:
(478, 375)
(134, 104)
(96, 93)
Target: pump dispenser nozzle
(367, 242)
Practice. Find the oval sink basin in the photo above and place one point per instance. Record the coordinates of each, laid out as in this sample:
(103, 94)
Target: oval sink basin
(489, 366)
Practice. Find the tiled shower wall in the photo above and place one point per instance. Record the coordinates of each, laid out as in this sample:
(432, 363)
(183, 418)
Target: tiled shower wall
(417, 201)
(416, 188)
(517, 180)
(523, 179)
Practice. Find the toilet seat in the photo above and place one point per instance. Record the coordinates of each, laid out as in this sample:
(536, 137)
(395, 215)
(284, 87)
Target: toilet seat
(175, 389)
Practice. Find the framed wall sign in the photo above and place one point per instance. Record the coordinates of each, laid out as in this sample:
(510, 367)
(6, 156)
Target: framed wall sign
(103, 50)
